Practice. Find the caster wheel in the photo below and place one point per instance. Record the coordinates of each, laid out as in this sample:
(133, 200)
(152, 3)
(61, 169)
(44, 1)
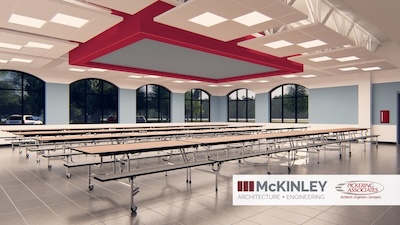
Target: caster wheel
(27, 155)
(289, 170)
(349, 153)
(20, 151)
(37, 160)
(268, 172)
(133, 209)
(49, 166)
(69, 175)
(91, 187)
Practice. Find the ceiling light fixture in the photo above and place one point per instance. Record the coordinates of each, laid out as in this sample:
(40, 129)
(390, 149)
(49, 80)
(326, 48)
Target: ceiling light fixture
(246, 81)
(252, 19)
(213, 85)
(3, 61)
(371, 68)
(135, 76)
(21, 60)
(348, 69)
(346, 59)
(152, 76)
(311, 44)
(227, 85)
(77, 70)
(67, 20)
(321, 59)
(33, 44)
(309, 76)
(179, 81)
(278, 44)
(10, 46)
(207, 19)
(194, 81)
(26, 21)
(290, 76)
(97, 70)
(263, 81)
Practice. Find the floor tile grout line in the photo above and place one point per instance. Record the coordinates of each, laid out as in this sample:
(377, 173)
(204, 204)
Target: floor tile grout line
(33, 192)
(14, 204)
(60, 194)
(381, 215)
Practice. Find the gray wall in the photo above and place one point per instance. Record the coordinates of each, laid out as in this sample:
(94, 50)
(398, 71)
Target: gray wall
(262, 109)
(57, 103)
(218, 108)
(127, 106)
(177, 107)
(336, 105)
(384, 97)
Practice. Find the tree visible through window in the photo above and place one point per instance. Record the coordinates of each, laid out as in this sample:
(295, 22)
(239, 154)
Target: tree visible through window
(93, 101)
(21, 94)
(153, 104)
(289, 104)
(197, 106)
(241, 106)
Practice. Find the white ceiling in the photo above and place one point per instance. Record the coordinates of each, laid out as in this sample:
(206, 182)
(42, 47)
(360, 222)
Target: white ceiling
(380, 18)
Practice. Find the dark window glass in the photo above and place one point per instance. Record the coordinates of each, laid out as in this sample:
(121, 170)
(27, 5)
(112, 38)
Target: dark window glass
(21, 94)
(289, 104)
(197, 106)
(93, 101)
(241, 106)
(153, 104)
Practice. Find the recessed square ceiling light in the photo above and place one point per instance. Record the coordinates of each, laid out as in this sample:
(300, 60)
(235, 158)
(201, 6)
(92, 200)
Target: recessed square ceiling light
(309, 76)
(348, 69)
(371, 68)
(208, 19)
(278, 44)
(152, 76)
(33, 44)
(263, 81)
(21, 60)
(179, 81)
(77, 70)
(321, 59)
(252, 19)
(312, 44)
(289, 76)
(10, 46)
(3, 61)
(135, 76)
(346, 59)
(213, 85)
(97, 70)
(26, 21)
(67, 20)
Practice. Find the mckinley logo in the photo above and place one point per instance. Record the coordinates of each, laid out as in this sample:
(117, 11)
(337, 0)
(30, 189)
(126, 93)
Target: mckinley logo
(281, 186)
(360, 187)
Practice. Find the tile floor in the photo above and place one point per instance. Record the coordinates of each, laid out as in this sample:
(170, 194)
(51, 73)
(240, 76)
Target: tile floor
(32, 194)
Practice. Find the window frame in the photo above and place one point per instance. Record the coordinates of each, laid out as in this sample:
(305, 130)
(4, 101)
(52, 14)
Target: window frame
(282, 98)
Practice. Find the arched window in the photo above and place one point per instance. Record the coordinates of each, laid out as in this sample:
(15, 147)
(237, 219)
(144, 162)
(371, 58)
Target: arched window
(241, 106)
(21, 96)
(197, 106)
(93, 101)
(153, 104)
(289, 104)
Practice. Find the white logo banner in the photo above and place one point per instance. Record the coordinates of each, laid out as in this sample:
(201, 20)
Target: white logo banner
(316, 189)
